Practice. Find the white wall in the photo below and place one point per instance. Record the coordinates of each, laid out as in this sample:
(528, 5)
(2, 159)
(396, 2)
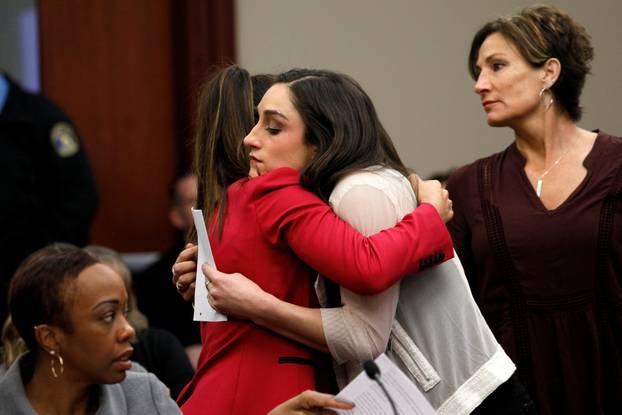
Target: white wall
(410, 56)
(19, 42)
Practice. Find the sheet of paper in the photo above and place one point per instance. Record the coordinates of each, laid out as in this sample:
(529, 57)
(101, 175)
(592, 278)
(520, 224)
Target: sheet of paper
(203, 311)
(370, 400)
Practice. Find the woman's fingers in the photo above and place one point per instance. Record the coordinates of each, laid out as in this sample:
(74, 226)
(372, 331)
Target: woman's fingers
(310, 402)
(184, 272)
(188, 254)
(184, 268)
(232, 294)
(185, 262)
(414, 180)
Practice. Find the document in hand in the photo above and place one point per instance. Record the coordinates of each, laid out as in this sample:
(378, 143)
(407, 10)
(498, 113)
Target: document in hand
(203, 311)
(369, 399)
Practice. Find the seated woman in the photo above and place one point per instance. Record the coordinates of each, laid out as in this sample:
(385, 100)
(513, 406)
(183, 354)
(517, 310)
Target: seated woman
(71, 312)
(157, 350)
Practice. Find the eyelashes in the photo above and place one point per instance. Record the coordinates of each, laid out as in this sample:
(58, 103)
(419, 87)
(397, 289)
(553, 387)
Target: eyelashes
(110, 316)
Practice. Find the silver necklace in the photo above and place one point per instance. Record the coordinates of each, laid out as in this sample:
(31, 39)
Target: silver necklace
(541, 177)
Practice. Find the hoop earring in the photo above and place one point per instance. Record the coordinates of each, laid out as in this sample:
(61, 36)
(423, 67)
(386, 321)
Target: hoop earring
(61, 365)
(546, 105)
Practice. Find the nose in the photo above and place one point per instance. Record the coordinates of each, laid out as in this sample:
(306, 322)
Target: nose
(251, 140)
(126, 331)
(482, 84)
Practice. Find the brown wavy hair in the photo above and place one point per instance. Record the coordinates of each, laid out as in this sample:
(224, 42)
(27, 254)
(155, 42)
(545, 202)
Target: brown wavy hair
(342, 124)
(540, 33)
(225, 114)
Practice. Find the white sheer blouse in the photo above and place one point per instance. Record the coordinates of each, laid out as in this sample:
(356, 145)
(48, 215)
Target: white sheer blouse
(370, 200)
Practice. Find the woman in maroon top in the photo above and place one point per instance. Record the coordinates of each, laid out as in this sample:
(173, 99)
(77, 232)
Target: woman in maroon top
(538, 226)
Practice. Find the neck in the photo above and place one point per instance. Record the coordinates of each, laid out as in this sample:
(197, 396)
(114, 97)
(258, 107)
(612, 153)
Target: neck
(545, 137)
(49, 395)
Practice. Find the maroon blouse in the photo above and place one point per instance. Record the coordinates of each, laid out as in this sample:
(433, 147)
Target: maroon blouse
(549, 282)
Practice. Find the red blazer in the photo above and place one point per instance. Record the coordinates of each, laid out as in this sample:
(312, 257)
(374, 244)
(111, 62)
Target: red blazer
(273, 228)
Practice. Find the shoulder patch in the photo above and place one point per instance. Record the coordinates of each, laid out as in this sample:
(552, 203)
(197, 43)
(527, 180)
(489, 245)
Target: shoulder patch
(64, 139)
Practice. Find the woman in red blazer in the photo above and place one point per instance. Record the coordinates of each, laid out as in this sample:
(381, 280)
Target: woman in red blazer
(314, 127)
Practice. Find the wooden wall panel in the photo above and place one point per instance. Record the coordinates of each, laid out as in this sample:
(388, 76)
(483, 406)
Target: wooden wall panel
(108, 63)
(205, 35)
(121, 70)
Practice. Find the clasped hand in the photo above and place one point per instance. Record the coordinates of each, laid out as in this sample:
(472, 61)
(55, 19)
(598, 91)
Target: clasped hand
(231, 294)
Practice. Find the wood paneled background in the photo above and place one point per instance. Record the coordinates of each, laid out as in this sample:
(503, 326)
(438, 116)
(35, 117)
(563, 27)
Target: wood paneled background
(127, 73)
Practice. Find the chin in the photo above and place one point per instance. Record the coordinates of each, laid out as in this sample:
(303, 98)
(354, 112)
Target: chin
(496, 122)
(114, 377)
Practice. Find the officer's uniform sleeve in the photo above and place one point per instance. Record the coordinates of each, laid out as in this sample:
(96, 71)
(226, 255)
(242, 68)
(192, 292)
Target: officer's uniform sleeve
(66, 180)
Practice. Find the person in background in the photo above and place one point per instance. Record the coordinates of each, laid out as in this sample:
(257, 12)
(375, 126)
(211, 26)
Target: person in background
(12, 345)
(71, 312)
(538, 226)
(153, 285)
(48, 190)
(158, 351)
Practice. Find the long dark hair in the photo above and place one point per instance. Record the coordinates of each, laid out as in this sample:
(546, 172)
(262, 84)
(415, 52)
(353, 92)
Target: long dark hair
(226, 113)
(341, 123)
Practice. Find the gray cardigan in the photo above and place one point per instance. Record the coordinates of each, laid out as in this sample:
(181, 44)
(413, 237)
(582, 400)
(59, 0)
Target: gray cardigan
(437, 336)
(139, 393)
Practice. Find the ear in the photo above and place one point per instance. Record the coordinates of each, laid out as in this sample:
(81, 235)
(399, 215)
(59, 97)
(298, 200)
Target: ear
(552, 68)
(48, 337)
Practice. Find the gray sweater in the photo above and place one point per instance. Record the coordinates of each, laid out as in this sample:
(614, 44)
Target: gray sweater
(139, 393)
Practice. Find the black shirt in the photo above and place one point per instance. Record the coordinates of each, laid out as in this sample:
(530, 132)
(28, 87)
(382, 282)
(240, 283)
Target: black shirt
(47, 190)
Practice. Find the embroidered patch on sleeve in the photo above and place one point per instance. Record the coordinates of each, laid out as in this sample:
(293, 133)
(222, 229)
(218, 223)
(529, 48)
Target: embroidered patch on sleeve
(64, 140)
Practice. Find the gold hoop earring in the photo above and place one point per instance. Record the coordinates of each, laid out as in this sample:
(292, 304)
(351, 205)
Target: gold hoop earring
(548, 104)
(61, 365)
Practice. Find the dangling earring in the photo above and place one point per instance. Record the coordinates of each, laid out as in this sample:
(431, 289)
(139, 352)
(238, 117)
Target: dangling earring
(61, 366)
(547, 105)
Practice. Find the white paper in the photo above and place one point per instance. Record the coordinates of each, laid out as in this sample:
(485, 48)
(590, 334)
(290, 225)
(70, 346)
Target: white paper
(203, 311)
(369, 399)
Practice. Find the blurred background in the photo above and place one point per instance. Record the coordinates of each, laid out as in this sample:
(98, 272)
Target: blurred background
(127, 72)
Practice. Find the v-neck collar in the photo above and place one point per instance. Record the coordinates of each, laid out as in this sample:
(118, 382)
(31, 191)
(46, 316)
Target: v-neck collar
(519, 162)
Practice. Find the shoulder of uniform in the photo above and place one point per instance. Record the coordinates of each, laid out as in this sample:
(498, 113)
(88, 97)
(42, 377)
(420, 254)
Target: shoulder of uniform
(44, 108)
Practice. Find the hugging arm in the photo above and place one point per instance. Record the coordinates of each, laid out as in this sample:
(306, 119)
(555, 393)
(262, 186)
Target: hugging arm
(358, 330)
(238, 296)
(300, 221)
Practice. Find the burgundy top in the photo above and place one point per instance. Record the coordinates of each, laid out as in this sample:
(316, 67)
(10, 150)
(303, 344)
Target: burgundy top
(549, 282)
